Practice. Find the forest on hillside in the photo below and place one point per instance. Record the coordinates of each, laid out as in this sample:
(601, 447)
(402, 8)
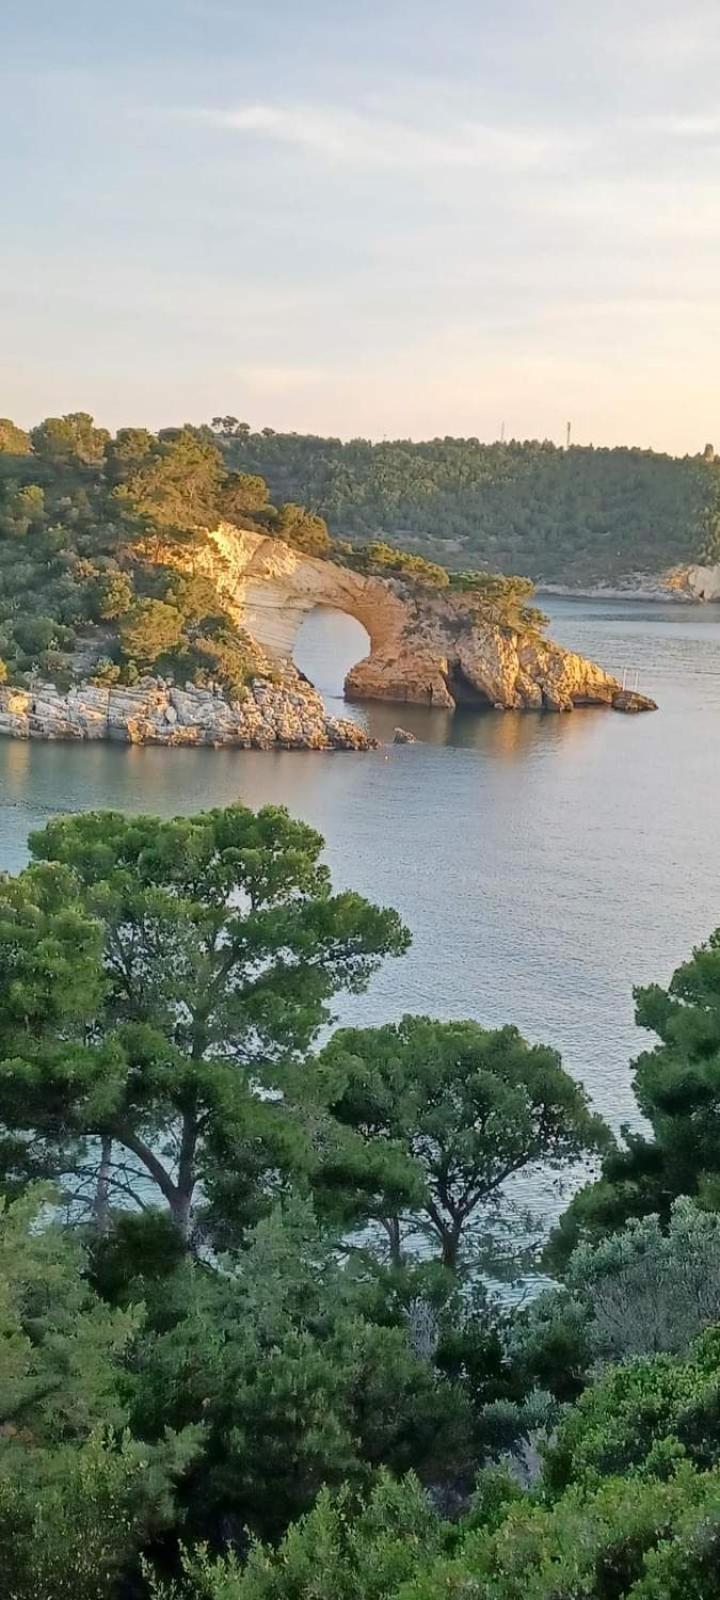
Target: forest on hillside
(97, 534)
(100, 538)
(580, 515)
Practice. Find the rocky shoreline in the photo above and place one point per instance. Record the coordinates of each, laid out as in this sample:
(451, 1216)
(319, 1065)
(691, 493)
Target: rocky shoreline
(649, 593)
(685, 586)
(285, 713)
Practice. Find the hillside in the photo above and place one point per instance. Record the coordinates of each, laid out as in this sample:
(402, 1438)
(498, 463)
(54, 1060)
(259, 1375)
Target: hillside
(139, 576)
(103, 569)
(93, 533)
(562, 516)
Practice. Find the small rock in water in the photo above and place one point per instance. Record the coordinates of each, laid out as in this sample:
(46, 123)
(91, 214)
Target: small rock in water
(631, 702)
(401, 736)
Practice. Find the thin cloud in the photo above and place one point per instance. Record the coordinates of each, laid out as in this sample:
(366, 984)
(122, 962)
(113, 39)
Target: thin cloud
(361, 140)
(280, 380)
(696, 126)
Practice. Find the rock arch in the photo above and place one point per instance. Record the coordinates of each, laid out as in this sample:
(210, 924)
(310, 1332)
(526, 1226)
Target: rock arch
(427, 646)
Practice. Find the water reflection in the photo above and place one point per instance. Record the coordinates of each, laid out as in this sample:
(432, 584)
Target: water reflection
(329, 643)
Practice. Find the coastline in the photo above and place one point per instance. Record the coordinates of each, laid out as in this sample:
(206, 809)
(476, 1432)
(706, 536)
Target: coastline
(286, 714)
(692, 585)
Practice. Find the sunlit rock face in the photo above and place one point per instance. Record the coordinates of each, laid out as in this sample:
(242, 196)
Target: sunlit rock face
(696, 582)
(286, 714)
(427, 646)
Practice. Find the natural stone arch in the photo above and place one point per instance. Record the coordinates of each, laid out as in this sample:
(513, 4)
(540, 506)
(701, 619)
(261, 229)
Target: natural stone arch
(271, 587)
(427, 646)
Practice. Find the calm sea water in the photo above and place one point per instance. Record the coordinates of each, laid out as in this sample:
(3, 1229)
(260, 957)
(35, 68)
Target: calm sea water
(543, 864)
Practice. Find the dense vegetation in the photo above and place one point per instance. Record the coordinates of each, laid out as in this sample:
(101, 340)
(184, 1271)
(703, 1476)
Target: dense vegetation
(245, 1348)
(101, 547)
(564, 516)
(92, 531)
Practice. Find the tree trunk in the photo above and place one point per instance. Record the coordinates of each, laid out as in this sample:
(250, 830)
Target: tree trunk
(182, 1206)
(101, 1202)
(179, 1196)
(450, 1244)
(392, 1229)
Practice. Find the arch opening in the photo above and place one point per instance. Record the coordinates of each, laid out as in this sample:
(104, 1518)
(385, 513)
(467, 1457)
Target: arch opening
(327, 644)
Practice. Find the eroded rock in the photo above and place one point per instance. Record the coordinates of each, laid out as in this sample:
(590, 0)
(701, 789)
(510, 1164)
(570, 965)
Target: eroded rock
(427, 646)
(288, 714)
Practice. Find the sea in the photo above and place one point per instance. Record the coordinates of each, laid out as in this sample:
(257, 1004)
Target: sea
(545, 864)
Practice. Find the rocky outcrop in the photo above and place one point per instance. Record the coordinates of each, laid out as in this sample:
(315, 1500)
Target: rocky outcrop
(427, 646)
(287, 714)
(688, 585)
(694, 583)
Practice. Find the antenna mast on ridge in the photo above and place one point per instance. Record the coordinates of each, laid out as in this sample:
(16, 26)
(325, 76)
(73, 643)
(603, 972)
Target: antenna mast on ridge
(568, 426)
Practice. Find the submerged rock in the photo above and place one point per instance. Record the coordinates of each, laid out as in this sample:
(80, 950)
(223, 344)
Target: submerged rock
(401, 736)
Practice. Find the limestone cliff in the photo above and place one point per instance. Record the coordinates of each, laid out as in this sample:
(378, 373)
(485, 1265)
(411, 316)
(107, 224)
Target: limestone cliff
(427, 646)
(286, 714)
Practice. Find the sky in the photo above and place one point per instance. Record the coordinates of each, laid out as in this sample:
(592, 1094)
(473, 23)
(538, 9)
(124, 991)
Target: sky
(400, 218)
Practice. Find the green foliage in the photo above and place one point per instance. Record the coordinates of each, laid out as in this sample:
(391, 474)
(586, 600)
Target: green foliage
(149, 630)
(649, 1288)
(221, 654)
(587, 1547)
(73, 1529)
(194, 597)
(197, 959)
(644, 1289)
(302, 529)
(710, 522)
(77, 1494)
(641, 1417)
(14, 441)
(300, 1390)
(22, 508)
(178, 484)
(389, 561)
(579, 515)
(243, 495)
(292, 1414)
(112, 595)
(60, 1346)
(677, 1085)
(106, 672)
(97, 537)
(470, 1106)
(72, 439)
(502, 600)
(128, 451)
(348, 1546)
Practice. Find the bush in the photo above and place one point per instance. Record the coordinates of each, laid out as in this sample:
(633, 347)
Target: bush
(587, 1547)
(347, 1547)
(150, 629)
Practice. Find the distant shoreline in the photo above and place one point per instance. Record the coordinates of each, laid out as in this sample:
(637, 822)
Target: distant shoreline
(657, 596)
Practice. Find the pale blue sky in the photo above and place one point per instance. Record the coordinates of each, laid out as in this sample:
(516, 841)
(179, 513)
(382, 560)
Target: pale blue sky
(401, 217)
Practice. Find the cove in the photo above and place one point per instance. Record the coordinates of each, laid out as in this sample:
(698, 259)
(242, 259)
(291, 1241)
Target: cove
(543, 864)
